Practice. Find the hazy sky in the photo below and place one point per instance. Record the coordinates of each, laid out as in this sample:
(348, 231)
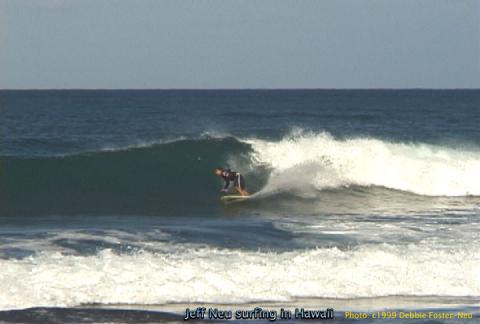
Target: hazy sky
(239, 44)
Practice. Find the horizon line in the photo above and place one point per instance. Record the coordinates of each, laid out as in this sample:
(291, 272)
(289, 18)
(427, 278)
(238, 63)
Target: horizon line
(226, 89)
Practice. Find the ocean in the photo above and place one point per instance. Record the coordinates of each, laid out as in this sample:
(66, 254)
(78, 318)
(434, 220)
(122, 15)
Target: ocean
(363, 201)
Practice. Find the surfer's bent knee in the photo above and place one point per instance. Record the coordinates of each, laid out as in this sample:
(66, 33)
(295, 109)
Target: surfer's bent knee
(240, 182)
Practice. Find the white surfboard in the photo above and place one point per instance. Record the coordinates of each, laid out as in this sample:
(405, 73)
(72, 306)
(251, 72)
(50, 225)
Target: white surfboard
(233, 197)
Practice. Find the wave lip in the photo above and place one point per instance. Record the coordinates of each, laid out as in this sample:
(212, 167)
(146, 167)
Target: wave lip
(308, 160)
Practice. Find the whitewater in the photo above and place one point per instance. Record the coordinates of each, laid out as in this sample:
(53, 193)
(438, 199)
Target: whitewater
(362, 200)
(209, 275)
(305, 160)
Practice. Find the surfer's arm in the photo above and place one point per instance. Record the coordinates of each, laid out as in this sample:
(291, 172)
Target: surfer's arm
(227, 183)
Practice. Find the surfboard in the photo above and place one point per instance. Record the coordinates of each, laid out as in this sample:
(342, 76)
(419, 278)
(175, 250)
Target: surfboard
(233, 197)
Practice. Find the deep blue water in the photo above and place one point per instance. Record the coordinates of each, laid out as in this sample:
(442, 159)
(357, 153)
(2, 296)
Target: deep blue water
(60, 122)
(358, 193)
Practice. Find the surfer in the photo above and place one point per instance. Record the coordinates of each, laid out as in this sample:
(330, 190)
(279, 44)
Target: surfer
(228, 175)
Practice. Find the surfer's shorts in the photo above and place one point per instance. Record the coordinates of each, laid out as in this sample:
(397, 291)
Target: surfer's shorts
(239, 182)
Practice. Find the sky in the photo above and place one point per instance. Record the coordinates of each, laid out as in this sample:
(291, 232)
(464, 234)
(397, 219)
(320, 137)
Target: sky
(120, 44)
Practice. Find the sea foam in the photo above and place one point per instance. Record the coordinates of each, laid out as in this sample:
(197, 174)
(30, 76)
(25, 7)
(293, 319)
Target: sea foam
(303, 160)
(234, 276)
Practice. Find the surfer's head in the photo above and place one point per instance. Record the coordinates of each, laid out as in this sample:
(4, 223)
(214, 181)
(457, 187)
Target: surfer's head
(218, 171)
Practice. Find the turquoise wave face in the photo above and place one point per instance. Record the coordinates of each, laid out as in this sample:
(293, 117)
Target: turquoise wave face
(172, 178)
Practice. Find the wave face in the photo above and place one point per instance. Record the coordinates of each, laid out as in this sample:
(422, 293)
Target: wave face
(233, 276)
(153, 179)
(158, 179)
(303, 161)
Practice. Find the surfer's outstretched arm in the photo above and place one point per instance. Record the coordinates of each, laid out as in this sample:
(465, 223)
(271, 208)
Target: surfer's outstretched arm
(225, 187)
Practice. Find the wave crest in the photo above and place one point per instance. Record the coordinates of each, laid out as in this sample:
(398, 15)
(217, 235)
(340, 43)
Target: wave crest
(304, 160)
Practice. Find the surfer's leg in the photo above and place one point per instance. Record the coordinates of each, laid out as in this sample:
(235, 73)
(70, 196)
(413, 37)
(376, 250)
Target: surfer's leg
(240, 185)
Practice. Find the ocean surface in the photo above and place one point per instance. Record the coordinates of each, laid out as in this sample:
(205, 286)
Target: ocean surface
(362, 200)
